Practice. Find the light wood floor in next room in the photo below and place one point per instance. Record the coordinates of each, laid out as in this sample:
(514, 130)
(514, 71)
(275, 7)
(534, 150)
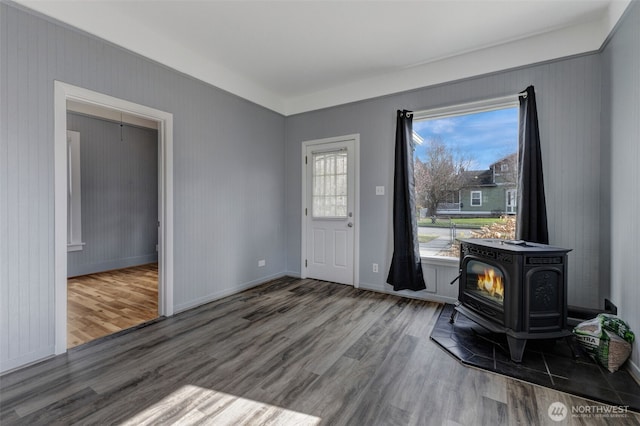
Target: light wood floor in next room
(107, 302)
(288, 352)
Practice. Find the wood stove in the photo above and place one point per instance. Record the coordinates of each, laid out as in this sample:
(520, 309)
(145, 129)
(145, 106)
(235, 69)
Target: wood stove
(514, 287)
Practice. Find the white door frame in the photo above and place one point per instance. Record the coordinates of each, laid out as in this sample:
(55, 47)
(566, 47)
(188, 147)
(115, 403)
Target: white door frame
(62, 93)
(356, 208)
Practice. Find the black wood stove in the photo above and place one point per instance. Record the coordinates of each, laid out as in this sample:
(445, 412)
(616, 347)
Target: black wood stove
(514, 287)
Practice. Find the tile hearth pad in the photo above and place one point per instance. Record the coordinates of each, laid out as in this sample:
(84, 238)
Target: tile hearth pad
(546, 363)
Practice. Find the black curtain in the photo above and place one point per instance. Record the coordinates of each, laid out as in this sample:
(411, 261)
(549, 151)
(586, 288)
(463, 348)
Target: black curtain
(532, 209)
(406, 270)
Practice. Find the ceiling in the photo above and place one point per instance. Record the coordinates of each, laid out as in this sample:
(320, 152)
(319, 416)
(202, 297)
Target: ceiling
(297, 56)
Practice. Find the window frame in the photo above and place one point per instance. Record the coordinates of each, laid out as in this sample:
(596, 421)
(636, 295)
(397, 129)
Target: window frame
(453, 110)
(479, 199)
(74, 193)
(511, 208)
(487, 105)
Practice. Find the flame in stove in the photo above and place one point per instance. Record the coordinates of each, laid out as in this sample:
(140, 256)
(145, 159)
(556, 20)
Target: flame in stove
(491, 283)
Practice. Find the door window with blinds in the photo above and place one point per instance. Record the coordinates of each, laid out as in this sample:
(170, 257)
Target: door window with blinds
(329, 189)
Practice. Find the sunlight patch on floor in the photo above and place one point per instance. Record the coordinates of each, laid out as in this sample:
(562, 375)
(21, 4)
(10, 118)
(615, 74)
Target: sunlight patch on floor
(193, 404)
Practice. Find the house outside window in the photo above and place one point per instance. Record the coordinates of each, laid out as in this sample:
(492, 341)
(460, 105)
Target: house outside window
(465, 172)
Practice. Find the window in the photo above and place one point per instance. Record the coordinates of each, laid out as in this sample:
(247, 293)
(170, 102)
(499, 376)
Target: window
(476, 198)
(465, 166)
(511, 201)
(74, 201)
(329, 194)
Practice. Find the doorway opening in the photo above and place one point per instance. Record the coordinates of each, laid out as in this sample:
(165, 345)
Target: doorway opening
(64, 95)
(112, 224)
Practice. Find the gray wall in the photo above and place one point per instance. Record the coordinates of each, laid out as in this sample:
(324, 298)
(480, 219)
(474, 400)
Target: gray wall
(237, 171)
(228, 174)
(621, 146)
(568, 95)
(119, 181)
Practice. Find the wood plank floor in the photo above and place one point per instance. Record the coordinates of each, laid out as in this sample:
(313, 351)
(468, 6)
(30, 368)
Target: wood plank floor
(107, 302)
(289, 352)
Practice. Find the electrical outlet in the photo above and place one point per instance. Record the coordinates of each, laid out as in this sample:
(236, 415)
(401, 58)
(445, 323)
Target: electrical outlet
(375, 267)
(379, 190)
(262, 262)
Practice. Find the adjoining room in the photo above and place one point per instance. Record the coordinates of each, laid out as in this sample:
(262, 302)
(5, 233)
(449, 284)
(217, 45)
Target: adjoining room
(112, 222)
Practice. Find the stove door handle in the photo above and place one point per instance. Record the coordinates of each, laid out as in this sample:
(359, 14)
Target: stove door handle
(455, 279)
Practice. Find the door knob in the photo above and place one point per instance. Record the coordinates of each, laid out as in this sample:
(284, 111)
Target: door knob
(350, 224)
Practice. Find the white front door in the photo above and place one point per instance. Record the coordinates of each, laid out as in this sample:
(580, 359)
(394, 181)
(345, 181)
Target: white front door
(330, 217)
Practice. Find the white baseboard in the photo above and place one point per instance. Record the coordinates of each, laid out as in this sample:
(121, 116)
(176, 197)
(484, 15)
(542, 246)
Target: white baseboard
(634, 370)
(224, 293)
(26, 360)
(420, 295)
(36, 357)
(111, 265)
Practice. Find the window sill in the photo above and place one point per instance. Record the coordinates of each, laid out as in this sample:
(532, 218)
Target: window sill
(75, 247)
(440, 260)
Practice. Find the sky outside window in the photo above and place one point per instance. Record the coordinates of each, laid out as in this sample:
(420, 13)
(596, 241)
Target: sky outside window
(483, 137)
